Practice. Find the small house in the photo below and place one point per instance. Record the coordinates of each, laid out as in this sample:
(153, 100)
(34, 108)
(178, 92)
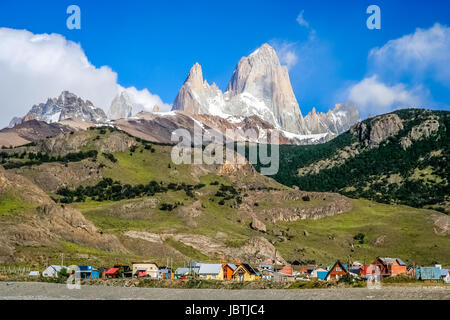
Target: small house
(85, 271)
(95, 274)
(445, 275)
(287, 270)
(145, 269)
(244, 272)
(337, 271)
(34, 274)
(267, 274)
(227, 270)
(283, 277)
(210, 271)
(112, 273)
(166, 273)
(119, 271)
(182, 273)
(319, 273)
(428, 273)
(52, 271)
(390, 266)
(266, 265)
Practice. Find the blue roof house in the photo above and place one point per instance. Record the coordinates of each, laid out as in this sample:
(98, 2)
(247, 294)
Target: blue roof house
(428, 273)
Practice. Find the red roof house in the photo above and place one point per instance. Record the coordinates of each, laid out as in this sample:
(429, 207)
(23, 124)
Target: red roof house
(112, 273)
(336, 272)
(287, 270)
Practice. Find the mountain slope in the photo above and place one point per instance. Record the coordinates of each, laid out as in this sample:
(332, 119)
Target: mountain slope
(400, 158)
(131, 191)
(29, 217)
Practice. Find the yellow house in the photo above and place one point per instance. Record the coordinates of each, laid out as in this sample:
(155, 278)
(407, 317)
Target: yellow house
(210, 271)
(245, 272)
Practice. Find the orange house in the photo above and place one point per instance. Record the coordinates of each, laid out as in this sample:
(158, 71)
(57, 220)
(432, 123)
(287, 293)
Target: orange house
(228, 270)
(390, 266)
(287, 270)
(336, 272)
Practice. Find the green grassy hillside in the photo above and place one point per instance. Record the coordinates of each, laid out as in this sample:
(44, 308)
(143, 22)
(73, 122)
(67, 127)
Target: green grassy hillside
(158, 210)
(417, 175)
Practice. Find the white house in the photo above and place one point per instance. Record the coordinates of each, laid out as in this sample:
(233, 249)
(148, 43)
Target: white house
(34, 274)
(52, 271)
(445, 275)
(145, 269)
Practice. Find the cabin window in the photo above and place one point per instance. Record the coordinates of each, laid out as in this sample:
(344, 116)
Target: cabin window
(338, 269)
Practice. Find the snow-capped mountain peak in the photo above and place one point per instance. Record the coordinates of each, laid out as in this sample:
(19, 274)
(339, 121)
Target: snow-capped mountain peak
(66, 106)
(259, 86)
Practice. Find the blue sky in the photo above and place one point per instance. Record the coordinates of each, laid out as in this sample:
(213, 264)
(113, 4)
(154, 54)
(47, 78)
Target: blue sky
(153, 44)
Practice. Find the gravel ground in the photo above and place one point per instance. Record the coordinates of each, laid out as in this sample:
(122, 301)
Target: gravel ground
(47, 291)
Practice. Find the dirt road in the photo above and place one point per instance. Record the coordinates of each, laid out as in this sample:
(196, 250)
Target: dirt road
(46, 291)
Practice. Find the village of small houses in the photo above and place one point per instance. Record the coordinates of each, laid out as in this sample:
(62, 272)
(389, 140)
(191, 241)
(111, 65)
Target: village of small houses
(269, 271)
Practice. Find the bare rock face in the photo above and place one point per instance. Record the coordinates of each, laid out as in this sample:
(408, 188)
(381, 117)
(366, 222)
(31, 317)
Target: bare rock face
(441, 224)
(156, 108)
(378, 129)
(15, 121)
(335, 121)
(258, 225)
(69, 143)
(121, 107)
(422, 131)
(260, 86)
(196, 96)
(66, 106)
(255, 250)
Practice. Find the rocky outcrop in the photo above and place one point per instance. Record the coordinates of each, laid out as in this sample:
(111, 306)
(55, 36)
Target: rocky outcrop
(422, 131)
(441, 224)
(15, 121)
(372, 133)
(70, 143)
(196, 96)
(299, 207)
(261, 86)
(41, 222)
(121, 107)
(258, 225)
(66, 106)
(335, 121)
(255, 250)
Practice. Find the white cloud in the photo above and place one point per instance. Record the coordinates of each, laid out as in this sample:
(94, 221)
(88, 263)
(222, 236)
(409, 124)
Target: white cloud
(424, 54)
(375, 97)
(414, 59)
(144, 100)
(301, 20)
(34, 67)
(286, 52)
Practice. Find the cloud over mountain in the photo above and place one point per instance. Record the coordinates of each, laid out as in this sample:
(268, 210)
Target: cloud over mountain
(421, 55)
(375, 97)
(400, 70)
(34, 67)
